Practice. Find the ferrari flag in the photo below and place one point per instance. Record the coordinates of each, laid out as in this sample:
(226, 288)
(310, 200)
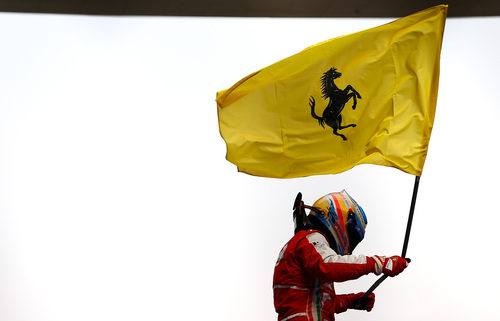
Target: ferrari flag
(364, 98)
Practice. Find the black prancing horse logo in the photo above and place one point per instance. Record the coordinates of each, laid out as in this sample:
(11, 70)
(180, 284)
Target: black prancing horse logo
(337, 100)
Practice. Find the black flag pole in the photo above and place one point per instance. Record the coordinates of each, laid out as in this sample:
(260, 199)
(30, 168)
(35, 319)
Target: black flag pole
(410, 216)
(405, 243)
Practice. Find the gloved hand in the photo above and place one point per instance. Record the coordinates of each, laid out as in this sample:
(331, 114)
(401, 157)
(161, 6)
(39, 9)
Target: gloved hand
(390, 266)
(360, 303)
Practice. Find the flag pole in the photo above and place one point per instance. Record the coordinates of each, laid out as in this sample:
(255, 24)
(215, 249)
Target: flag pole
(405, 243)
(410, 216)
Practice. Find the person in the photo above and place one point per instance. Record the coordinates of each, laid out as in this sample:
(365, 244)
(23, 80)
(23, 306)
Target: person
(319, 254)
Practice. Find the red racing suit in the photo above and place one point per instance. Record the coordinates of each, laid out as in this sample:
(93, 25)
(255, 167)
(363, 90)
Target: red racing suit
(304, 274)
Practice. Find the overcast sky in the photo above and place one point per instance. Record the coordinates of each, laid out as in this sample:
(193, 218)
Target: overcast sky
(117, 203)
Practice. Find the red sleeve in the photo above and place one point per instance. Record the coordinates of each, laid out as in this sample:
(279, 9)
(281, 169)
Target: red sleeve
(322, 262)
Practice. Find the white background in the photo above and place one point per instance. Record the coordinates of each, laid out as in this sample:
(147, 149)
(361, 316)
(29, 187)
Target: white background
(116, 201)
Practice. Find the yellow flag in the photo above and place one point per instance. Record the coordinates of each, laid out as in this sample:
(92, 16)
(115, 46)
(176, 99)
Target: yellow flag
(364, 98)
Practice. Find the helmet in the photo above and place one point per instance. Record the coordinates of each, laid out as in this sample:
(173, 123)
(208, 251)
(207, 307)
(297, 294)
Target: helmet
(341, 219)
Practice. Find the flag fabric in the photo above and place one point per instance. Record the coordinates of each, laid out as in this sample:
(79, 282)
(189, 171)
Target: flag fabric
(364, 98)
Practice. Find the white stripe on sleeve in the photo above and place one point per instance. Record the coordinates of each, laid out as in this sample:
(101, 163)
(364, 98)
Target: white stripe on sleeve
(328, 254)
